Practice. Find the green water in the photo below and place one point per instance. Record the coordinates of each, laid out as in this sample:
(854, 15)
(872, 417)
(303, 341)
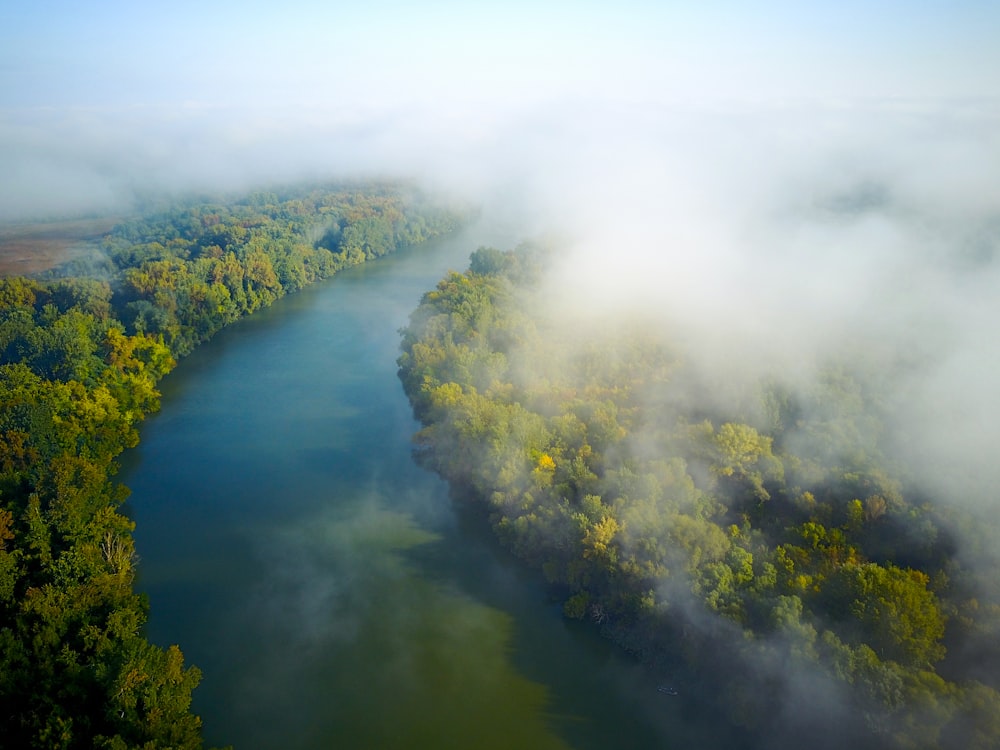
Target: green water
(327, 587)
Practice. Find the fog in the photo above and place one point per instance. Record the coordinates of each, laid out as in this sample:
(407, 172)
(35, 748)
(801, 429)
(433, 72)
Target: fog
(772, 243)
(773, 187)
(104, 103)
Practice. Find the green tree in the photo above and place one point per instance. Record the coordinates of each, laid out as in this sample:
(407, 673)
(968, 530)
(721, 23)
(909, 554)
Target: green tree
(900, 616)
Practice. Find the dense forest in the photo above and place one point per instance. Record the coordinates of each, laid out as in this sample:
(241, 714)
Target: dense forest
(770, 560)
(81, 352)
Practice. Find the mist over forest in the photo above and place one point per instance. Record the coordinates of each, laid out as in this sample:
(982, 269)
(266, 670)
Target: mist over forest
(841, 237)
(770, 194)
(806, 274)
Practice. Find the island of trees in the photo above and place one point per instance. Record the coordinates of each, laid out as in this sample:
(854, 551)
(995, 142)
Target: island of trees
(771, 558)
(81, 352)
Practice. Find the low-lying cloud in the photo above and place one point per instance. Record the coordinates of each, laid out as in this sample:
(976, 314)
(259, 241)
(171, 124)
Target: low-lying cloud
(770, 243)
(767, 237)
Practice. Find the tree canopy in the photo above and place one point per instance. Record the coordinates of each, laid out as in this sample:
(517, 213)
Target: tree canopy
(724, 541)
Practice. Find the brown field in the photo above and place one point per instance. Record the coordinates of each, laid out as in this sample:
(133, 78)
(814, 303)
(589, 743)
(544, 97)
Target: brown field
(30, 248)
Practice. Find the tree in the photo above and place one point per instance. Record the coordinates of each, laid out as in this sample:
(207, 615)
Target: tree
(901, 618)
(742, 454)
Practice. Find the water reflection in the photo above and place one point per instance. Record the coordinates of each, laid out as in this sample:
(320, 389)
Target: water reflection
(368, 652)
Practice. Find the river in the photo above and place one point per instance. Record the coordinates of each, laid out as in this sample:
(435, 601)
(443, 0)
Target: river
(327, 587)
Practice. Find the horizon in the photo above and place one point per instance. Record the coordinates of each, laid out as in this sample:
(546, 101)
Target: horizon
(102, 102)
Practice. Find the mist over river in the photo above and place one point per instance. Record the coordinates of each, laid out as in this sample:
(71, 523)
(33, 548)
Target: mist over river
(330, 591)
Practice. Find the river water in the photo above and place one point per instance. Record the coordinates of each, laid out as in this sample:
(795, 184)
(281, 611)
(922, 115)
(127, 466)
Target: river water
(326, 586)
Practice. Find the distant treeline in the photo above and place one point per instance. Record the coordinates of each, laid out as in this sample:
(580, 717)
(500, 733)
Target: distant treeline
(772, 562)
(80, 359)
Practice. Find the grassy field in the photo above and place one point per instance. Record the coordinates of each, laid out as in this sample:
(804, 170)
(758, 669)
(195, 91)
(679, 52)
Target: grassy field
(33, 247)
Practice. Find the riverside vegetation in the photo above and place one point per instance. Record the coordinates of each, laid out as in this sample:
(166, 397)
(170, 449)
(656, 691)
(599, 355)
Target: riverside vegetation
(772, 558)
(81, 352)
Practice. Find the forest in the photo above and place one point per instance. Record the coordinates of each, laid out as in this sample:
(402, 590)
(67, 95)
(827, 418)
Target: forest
(82, 350)
(771, 558)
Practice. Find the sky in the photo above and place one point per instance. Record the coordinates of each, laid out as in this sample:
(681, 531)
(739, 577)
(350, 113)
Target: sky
(101, 99)
(340, 55)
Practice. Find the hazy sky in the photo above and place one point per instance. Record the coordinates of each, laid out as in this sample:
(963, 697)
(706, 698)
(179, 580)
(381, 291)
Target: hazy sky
(340, 56)
(98, 99)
